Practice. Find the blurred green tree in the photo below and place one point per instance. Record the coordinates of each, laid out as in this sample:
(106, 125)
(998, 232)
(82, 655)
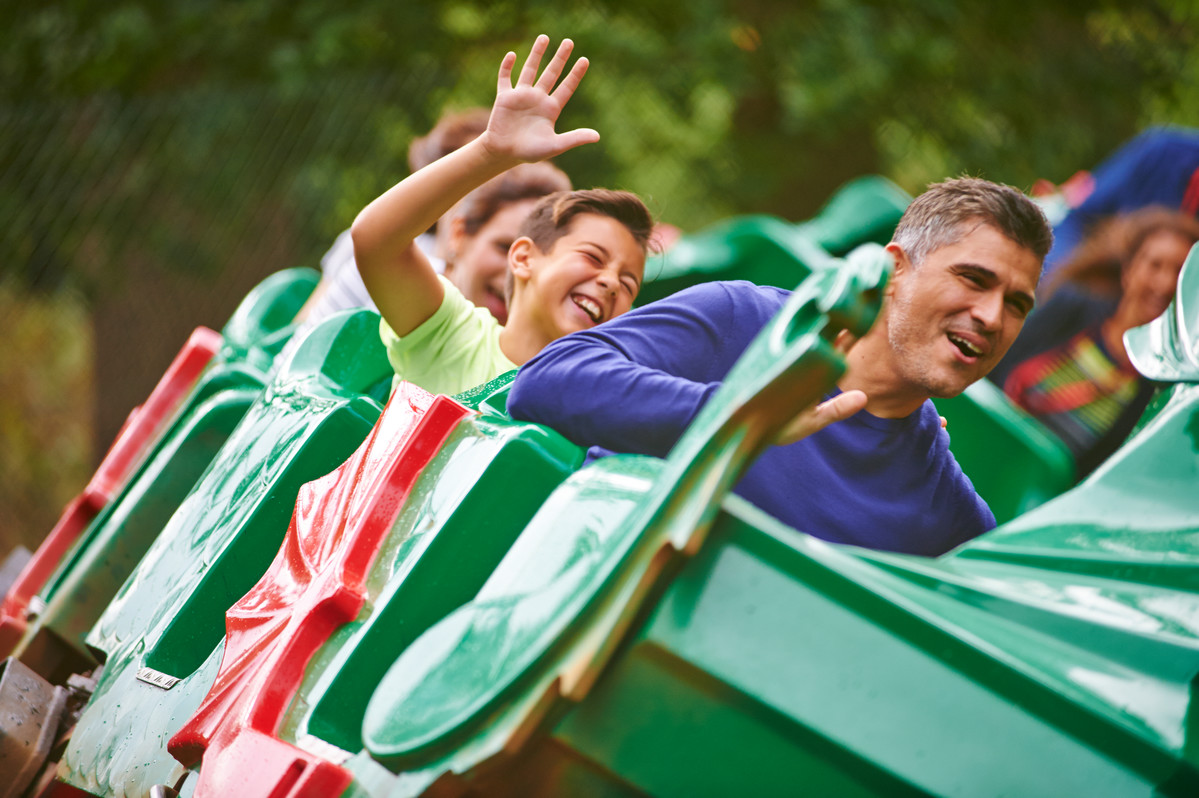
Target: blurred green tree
(709, 107)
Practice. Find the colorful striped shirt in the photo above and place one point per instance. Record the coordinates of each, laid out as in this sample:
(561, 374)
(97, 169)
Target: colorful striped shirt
(1077, 390)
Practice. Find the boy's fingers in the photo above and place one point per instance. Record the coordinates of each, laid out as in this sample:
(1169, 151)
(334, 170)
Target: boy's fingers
(576, 138)
(528, 72)
(569, 83)
(554, 68)
(505, 79)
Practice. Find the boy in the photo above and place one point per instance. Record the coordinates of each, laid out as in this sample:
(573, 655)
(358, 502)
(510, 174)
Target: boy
(578, 262)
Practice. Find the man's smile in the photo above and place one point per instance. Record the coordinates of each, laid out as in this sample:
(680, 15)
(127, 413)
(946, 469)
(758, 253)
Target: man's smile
(970, 345)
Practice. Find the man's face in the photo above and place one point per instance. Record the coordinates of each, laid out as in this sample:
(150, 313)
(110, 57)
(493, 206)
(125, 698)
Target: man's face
(952, 318)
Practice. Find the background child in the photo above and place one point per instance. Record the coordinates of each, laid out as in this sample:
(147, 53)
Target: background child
(1071, 370)
(341, 287)
(480, 229)
(578, 261)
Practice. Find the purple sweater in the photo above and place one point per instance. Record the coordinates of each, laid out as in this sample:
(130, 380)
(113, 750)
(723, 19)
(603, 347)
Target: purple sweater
(634, 384)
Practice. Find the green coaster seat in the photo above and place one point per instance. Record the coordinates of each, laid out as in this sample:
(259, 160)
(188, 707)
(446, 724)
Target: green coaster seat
(161, 636)
(110, 547)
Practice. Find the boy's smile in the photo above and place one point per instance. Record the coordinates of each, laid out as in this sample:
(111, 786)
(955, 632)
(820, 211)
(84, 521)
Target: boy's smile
(589, 306)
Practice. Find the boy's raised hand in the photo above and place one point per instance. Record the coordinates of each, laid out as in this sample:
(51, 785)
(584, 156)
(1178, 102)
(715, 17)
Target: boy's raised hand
(522, 120)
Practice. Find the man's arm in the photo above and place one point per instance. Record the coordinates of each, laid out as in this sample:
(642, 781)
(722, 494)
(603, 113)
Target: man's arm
(635, 383)
(397, 274)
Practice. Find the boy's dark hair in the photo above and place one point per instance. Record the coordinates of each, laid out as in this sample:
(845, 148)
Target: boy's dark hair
(550, 219)
(941, 216)
(526, 181)
(453, 130)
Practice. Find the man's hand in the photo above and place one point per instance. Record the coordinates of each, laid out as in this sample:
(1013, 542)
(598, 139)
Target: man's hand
(838, 408)
(522, 120)
(814, 419)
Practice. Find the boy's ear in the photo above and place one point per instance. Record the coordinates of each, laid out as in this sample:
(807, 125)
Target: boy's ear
(520, 256)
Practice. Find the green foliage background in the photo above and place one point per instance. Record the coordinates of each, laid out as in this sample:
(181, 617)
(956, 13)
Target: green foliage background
(157, 159)
(707, 107)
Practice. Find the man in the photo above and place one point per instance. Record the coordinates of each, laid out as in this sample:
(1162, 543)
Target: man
(968, 255)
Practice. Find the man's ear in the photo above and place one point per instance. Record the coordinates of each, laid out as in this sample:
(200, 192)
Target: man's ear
(902, 264)
(520, 257)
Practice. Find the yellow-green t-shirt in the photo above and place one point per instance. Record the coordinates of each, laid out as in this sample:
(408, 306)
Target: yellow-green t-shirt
(457, 348)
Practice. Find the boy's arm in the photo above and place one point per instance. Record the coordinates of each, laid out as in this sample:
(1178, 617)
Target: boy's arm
(598, 389)
(397, 274)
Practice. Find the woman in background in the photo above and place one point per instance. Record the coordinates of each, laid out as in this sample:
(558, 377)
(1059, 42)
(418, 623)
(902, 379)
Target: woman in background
(1071, 370)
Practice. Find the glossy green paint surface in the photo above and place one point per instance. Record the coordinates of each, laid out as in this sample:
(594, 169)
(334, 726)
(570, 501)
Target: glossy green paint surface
(490, 398)
(770, 251)
(1056, 655)
(466, 509)
(864, 210)
(1014, 463)
(774, 659)
(169, 615)
(543, 624)
(114, 542)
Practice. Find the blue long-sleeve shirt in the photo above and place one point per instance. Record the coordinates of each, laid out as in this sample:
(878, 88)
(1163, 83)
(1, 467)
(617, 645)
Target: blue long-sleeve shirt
(635, 383)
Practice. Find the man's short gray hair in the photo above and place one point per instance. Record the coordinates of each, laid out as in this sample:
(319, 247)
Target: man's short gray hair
(940, 216)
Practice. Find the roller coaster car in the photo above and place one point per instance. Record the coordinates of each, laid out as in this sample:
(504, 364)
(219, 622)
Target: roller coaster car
(646, 635)
(160, 453)
(165, 627)
(457, 608)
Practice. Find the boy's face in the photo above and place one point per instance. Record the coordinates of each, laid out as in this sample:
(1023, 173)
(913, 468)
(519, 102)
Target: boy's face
(591, 274)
